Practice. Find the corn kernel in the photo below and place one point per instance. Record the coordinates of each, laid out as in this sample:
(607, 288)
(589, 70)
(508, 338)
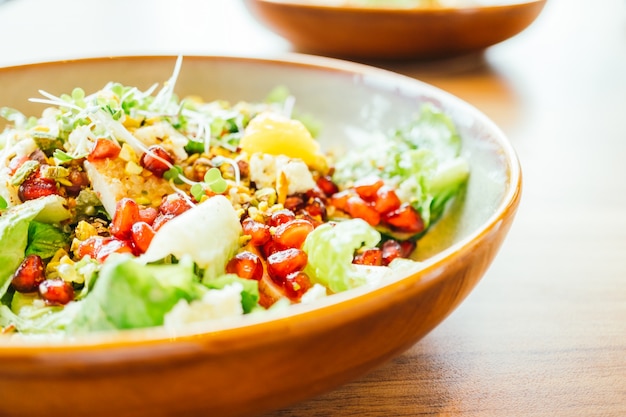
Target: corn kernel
(132, 168)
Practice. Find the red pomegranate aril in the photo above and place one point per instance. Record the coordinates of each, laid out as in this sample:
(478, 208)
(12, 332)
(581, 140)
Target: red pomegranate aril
(405, 219)
(315, 192)
(391, 250)
(79, 180)
(359, 208)
(407, 247)
(126, 214)
(294, 203)
(141, 235)
(279, 217)
(367, 187)
(259, 232)
(327, 185)
(160, 220)
(103, 149)
(293, 233)
(340, 199)
(174, 204)
(316, 208)
(156, 160)
(56, 291)
(113, 245)
(148, 214)
(386, 200)
(284, 262)
(371, 257)
(270, 247)
(35, 186)
(246, 265)
(99, 248)
(296, 284)
(29, 274)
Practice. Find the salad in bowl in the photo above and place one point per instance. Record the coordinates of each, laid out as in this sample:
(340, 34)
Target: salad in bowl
(126, 208)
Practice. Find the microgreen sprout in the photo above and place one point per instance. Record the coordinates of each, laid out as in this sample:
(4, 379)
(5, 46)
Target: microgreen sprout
(213, 181)
(174, 174)
(3, 203)
(213, 178)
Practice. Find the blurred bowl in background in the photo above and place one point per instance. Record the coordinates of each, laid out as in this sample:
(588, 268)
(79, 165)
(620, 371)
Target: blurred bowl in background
(388, 33)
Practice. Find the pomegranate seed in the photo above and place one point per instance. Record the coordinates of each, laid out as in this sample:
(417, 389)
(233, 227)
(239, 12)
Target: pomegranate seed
(259, 232)
(407, 247)
(156, 160)
(367, 187)
(372, 257)
(89, 247)
(99, 248)
(340, 199)
(141, 235)
(294, 202)
(103, 149)
(282, 263)
(126, 214)
(29, 274)
(113, 245)
(56, 291)
(316, 208)
(35, 186)
(357, 207)
(160, 220)
(79, 180)
(148, 214)
(391, 250)
(280, 216)
(296, 284)
(174, 204)
(293, 233)
(270, 247)
(327, 185)
(386, 200)
(405, 219)
(246, 265)
(315, 192)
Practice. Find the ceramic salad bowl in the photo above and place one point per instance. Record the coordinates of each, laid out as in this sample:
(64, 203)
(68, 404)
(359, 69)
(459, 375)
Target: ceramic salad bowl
(243, 367)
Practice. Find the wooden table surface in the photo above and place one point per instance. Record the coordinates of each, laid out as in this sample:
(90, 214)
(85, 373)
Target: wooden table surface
(544, 333)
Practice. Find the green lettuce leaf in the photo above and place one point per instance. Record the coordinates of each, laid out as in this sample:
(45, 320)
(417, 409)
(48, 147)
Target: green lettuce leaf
(128, 294)
(330, 249)
(249, 293)
(45, 239)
